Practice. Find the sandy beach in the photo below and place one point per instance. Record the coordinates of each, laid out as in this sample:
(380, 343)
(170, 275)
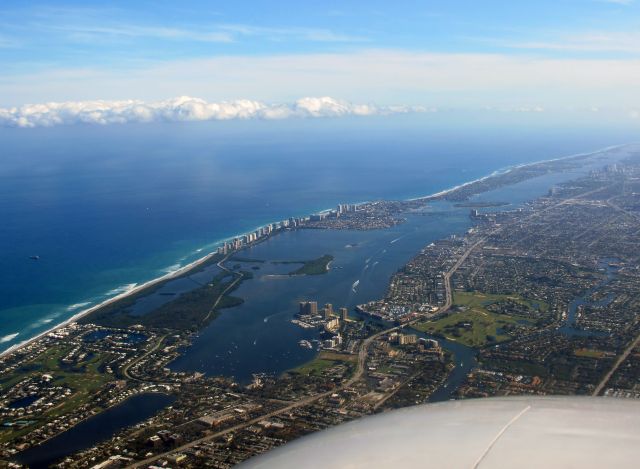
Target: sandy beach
(187, 268)
(138, 288)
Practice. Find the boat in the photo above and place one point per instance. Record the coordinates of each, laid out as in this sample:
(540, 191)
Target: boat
(35, 258)
(305, 344)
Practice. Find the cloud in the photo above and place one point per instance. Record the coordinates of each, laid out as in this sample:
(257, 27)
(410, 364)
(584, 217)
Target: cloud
(529, 109)
(183, 109)
(618, 2)
(136, 31)
(628, 42)
(82, 25)
(388, 76)
(298, 33)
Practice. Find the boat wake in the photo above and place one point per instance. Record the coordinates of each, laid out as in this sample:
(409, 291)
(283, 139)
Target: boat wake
(355, 286)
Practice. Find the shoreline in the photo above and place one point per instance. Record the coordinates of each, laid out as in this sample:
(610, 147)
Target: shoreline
(508, 169)
(138, 288)
(199, 261)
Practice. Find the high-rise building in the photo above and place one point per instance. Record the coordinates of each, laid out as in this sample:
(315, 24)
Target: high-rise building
(344, 314)
(328, 311)
(333, 324)
(308, 307)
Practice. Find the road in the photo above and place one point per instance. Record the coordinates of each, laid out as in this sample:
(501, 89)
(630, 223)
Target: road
(239, 276)
(357, 375)
(603, 382)
(125, 370)
(447, 276)
(362, 352)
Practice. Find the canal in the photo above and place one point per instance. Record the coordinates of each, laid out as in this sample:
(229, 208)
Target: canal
(95, 429)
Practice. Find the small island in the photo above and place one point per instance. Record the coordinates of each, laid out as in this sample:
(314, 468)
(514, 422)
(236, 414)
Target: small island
(317, 266)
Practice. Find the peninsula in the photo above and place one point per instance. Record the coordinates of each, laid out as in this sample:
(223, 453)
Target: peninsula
(540, 300)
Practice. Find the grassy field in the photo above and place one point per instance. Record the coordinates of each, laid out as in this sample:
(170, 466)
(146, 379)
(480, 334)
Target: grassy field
(84, 379)
(473, 325)
(588, 353)
(478, 299)
(323, 361)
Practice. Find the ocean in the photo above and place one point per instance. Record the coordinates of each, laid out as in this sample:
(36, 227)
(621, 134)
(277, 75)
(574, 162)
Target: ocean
(106, 208)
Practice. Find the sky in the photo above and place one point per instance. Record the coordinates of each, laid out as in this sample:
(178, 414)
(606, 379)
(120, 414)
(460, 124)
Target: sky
(263, 57)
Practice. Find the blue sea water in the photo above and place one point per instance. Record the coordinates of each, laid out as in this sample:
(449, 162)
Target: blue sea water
(109, 207)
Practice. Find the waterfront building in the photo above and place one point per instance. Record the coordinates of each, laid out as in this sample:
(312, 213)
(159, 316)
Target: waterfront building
(429, 343)
(308, 308)
(344, 314)
(333, 324)
(406, 339)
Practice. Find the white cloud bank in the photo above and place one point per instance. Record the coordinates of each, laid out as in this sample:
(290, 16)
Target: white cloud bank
(183, 109)
(459, 81)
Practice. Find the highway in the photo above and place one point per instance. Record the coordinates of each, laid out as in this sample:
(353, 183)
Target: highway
(357, 375)
(362, 352)
(603, 382)
(238, 275)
